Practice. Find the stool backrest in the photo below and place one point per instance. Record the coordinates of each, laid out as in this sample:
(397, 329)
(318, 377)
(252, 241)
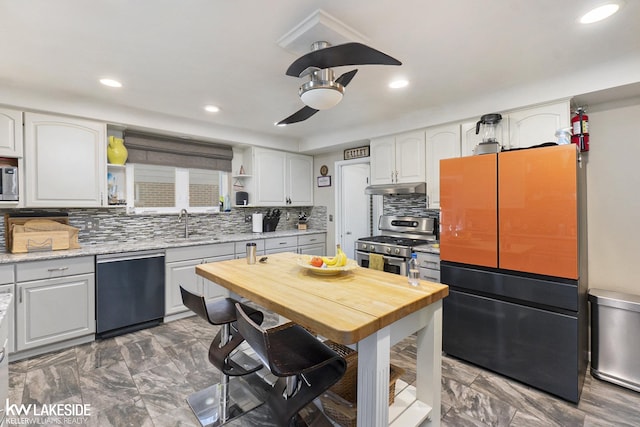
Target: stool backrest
(195, 303)
(255, 336)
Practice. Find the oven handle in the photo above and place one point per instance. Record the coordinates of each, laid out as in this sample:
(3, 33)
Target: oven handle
(388, 258)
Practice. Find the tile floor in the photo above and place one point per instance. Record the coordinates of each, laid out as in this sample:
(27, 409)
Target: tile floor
(142, 379)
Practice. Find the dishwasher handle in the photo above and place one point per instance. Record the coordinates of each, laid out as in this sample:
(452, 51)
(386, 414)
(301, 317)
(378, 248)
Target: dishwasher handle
(101, 259)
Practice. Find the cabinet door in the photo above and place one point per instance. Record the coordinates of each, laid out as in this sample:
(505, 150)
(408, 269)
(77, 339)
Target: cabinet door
(318, 250)
(180, 273)
(10, 133)
(65, 162)
(443, 142)
(211, 289)
(383, 160)
(10, 316)
(534, 126)
(270, 169)
(299, 180)
(52, 310)
(410, 161)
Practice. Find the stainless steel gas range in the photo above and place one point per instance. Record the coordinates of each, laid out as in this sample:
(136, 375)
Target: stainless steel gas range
(399, 234)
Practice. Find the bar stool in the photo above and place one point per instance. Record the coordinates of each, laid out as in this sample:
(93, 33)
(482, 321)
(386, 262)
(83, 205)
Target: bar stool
(215, 405)
(305, 366)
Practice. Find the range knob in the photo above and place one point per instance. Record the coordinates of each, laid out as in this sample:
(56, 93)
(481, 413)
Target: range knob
(363, 246)
(387, 250)
(397, 251)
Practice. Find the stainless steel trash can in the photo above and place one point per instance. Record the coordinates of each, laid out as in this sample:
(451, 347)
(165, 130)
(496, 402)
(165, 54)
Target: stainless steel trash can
(615, 337)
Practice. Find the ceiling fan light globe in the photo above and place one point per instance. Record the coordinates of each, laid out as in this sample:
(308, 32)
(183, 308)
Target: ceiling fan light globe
(321, 94)
(321, 98)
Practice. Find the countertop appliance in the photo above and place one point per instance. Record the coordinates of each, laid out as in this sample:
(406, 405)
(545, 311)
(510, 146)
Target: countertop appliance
(513, 251)
(488, 124)
(399, 234)
(9, 183)
(129, 292)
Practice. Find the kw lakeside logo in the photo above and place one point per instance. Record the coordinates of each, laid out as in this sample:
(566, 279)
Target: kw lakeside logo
(49, 414)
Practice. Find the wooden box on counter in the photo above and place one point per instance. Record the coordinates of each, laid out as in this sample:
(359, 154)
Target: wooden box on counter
(31, 234)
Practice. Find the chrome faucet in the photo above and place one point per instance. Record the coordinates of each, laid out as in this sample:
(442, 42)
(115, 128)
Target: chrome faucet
(183, 212)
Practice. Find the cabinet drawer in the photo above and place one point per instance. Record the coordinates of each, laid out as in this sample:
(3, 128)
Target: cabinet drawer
(198, 251)
(429, 274)
(241, 247)
(54, 268)
(282, 242)
(6, 274)
(427, 260)
(311, 239)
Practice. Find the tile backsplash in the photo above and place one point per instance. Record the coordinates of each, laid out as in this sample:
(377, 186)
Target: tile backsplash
(408, 205)
(115, 225)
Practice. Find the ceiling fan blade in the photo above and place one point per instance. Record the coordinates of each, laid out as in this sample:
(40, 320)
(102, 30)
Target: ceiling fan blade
(336, 56)
(300, 115)
(346, 77)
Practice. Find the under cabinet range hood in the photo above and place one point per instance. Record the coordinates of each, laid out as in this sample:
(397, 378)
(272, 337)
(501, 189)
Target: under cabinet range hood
(397, 188)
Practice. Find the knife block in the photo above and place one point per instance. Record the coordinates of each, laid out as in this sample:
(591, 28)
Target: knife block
(270, 224)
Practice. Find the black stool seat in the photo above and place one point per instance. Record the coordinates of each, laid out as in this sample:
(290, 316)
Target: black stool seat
(306, 366)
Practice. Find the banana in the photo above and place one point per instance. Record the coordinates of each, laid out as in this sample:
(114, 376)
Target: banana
(330, 262)
(342, 257)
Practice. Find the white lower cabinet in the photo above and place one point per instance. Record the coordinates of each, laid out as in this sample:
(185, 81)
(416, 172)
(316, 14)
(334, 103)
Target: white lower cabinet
(275, 245)
(7, 286)
(241, 248)
(312, 244)
(180, 270)
(55, 301)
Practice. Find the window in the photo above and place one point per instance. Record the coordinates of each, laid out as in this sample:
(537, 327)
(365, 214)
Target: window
(169, 189)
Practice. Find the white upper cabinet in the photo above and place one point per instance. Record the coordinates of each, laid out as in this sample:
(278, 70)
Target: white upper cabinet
(398, 159)
(65, 162)
(534, 126)
(10, 133)
(299, 188)
(443, 142)
(522, 128)
(281, 179)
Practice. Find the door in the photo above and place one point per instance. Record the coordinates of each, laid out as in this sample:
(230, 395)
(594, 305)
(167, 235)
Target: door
(65, 162)
(211, 289)
(538, 211)
(181, 273)
(443, 142)
(354, 215)
(468, 215)
(299, 180)
(52, 310)
(410, 166)
(383, 160)
(270, 170)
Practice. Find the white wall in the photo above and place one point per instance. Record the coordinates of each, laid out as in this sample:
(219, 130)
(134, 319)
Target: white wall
(613, 193)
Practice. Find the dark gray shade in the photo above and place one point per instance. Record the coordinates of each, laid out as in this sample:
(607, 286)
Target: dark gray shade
(167, 151)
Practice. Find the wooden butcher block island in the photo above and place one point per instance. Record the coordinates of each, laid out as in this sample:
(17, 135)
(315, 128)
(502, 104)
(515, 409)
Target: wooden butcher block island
(372, 309)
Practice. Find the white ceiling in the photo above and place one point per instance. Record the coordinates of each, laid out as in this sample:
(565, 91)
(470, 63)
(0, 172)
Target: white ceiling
(174, 57)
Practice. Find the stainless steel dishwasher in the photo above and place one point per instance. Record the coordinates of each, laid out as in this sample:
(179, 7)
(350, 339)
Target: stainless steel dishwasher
(129, 292)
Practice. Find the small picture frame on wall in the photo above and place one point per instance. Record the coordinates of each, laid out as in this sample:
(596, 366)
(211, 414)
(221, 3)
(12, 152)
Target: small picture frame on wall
(324, 181)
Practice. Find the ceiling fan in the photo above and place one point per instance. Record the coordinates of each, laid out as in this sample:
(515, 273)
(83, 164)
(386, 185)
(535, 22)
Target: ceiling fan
(323, 90)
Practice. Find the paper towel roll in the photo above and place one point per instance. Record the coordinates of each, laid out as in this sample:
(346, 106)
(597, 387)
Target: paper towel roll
(257, 222)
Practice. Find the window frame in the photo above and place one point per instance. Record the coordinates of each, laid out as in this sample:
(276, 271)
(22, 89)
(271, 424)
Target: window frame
(181, 193)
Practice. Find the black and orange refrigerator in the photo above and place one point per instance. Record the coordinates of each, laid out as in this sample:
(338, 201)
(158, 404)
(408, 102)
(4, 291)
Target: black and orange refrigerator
(513, 252)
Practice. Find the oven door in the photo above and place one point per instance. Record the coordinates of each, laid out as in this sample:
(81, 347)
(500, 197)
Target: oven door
(391, 264)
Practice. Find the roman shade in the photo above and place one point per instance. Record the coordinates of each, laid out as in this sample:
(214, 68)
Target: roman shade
(170, 151)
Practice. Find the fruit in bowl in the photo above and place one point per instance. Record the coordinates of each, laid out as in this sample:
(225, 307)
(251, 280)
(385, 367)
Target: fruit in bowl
(316, 261)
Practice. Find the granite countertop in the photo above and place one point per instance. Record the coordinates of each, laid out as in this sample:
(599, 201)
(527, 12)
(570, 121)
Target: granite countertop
(149, 244)
(5, 301)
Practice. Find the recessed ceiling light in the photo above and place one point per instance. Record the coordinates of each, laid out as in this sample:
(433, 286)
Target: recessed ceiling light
(211, 108)
(599, 13)
(110, 82)
(400, 83)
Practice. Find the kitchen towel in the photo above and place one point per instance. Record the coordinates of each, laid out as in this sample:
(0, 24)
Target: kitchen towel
(376, 262)
(257, 222)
